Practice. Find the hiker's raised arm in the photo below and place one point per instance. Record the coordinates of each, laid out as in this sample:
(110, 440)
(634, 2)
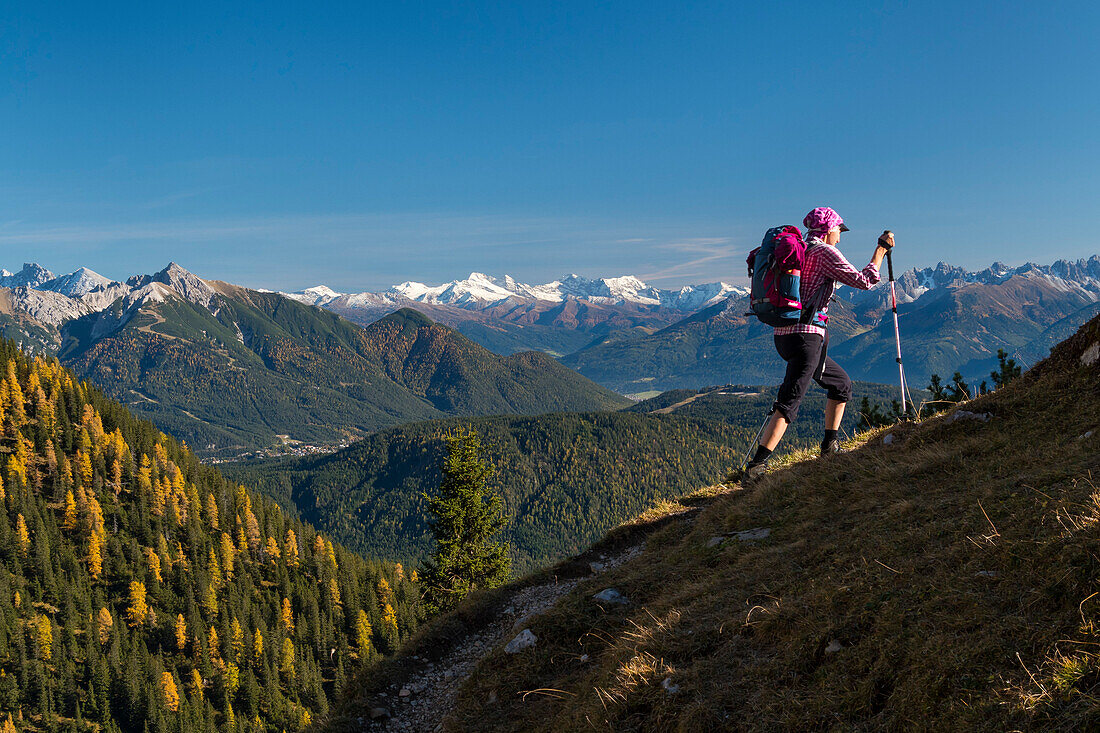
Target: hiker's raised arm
(840, 269)
(885, 244)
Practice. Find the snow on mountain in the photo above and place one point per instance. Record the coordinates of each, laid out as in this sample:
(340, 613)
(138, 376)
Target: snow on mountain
(480, 291)
(32, 276)
(77, 284)
(46, 306)
(1082, 276)
(320, 295)
(189, 286)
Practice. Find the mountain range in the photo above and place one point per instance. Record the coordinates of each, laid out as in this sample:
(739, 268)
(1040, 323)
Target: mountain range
(949, 319)
(230, 369)
(635, 338)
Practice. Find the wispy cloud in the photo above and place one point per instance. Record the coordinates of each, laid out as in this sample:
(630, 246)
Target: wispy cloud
(703, 257)
(368, 250)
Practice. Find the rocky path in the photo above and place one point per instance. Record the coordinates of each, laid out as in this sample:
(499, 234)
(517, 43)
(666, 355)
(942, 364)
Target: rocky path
(420, 705)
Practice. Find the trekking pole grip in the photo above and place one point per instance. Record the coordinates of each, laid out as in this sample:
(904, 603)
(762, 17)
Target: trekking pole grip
(890, 263)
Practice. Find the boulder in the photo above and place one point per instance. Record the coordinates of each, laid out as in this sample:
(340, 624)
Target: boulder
(610, 595)
(524, 640)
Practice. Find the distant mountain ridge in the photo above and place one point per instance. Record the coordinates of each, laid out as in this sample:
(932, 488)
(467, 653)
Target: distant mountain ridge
(231, 369)
(480, 290)
(950, 319)
(618, 331)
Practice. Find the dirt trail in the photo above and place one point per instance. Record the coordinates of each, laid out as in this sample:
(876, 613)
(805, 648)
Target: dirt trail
(430, 692)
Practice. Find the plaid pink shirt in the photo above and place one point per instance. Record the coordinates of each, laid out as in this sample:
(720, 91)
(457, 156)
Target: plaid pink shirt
(825, 265)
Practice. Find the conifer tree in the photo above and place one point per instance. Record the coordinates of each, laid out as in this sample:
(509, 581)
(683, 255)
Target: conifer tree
(169, 693)
(139, 608)
(467, 517)
(104, 622)
(181, 632)
(43, 637)
(363, 634)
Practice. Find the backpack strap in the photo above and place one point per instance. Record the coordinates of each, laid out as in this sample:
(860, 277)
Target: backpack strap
(811, 307)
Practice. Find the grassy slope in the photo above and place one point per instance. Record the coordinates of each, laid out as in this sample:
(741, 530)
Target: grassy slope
(956, 569)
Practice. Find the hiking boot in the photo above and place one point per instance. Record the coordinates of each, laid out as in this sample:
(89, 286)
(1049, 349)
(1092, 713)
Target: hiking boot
(754, 470)
(831, 448)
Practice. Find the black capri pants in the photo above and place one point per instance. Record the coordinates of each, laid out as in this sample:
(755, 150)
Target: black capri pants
(807, 358)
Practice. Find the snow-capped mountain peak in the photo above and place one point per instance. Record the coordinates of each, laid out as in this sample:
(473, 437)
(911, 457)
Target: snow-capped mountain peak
(32, 276)
(186, 284)
(77, 284)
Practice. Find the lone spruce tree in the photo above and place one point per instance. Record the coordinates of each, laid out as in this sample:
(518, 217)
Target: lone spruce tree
(467, 517)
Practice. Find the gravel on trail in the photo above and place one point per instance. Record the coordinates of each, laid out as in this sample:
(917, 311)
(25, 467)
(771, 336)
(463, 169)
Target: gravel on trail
(421, 703)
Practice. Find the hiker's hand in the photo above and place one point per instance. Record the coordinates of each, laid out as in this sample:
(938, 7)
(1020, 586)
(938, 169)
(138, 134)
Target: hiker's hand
(886, 240)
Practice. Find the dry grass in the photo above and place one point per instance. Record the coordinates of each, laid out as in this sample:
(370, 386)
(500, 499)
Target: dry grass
(947, 581)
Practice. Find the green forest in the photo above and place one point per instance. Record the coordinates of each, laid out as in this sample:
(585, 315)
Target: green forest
(566, 478)
(142, 591)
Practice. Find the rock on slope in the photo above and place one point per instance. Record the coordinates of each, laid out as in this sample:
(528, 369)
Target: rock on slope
(944, 578)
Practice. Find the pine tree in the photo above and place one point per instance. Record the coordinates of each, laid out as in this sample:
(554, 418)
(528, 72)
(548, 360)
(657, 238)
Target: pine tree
(286, 659)
(1008, 370)
(467, 517)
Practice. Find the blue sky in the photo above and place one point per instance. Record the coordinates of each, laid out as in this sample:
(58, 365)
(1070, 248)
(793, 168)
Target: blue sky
(363, 144)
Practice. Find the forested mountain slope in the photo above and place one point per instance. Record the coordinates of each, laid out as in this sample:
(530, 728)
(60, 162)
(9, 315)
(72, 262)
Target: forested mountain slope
(941, 576)
(566, 478)
(141, 591)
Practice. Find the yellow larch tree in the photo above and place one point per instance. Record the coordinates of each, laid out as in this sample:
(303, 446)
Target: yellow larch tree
(228, 554)
(271, 550)
(286, 659)
(236, 640)
(363, 634)
(70, 520)
(291, 549)
(214, 644)
(212, 510)
(95, 555)
(210, 600)
(139, 608)
(22, 536)
(286, 617)
(257, 646)
(43, 637)
(104, 623)
(169, 694)
(389, 619)
(153, 559)
(197, 684)
(181, 632)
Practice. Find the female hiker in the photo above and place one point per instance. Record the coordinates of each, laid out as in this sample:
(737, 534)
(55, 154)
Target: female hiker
(804, 346)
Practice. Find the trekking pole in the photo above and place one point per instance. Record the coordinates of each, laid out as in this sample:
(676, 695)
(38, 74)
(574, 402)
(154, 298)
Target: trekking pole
(897, 333)
(756, 441)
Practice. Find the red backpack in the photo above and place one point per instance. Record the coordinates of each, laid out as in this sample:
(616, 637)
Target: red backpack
(775, 269)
